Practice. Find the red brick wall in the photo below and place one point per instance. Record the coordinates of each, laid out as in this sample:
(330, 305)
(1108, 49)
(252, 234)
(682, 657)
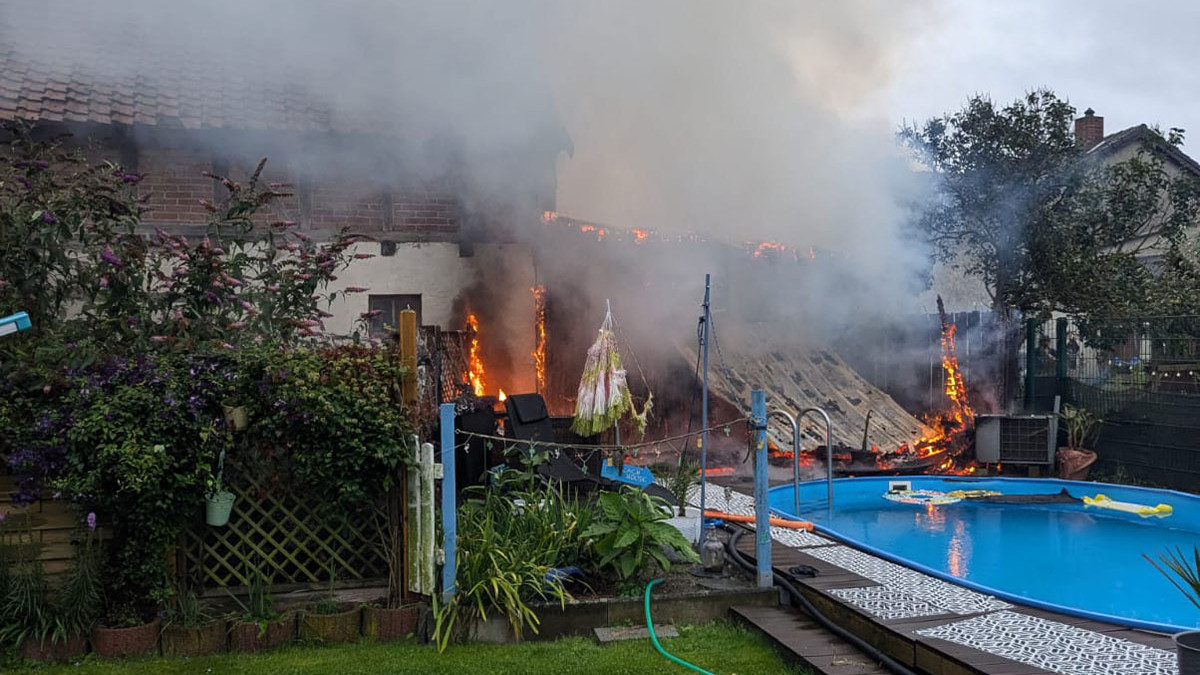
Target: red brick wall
(424, 211)
(337, 205)
(175, 184)
(176, 187)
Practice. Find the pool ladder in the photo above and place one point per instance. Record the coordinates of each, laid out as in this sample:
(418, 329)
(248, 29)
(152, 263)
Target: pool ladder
(795, 422)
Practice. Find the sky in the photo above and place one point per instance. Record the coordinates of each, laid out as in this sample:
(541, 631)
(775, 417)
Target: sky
(1133, 62)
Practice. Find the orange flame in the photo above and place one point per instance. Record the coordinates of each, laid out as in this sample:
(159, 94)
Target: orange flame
(474, 362)
(640, 235)
(539, 352)
(956, 389)
(549, 216)
(502, 397)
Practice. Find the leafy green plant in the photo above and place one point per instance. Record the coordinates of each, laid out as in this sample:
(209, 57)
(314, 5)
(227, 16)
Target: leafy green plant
(80, 596)
(511, 534)
(679, 479)
(1081, 425)
(259, 607)
(328, 603)
(25, 609)
(1177, 565)
(184, 609)
(629, 533)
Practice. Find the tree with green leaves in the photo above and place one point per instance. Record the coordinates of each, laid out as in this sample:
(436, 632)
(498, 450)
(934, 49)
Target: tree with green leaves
(1046, 225)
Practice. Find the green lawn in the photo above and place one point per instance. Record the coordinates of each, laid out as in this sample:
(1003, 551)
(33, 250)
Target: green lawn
(722, 648)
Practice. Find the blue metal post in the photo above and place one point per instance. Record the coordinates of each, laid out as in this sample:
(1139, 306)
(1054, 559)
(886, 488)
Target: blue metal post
(704, 333)
(449, 506)
(762, 508)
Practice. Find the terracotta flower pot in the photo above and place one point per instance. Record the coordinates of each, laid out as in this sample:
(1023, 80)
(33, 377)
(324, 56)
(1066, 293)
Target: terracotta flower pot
(1073, 464)
(115, 643)
(384, 625)
(207, 638)
(340, 628)
(244, 637)
(49, 650)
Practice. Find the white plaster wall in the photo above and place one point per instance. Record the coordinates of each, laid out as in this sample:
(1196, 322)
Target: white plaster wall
(440, 275)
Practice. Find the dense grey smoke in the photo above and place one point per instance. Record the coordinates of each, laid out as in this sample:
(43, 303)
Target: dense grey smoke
(738, 120)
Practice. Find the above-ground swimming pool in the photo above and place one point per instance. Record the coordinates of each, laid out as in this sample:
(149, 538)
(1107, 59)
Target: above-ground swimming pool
(1068, 558)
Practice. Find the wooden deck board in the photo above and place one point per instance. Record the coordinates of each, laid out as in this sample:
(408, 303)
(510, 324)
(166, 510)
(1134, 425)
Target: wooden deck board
(804, 641)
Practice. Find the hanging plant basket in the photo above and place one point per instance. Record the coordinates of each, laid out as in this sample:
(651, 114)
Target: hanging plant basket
(217, 508)
(236, 417)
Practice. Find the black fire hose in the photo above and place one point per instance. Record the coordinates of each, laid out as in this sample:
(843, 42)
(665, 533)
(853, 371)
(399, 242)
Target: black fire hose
(781, 581)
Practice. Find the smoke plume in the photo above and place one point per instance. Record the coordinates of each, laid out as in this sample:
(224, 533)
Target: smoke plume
(739, 121)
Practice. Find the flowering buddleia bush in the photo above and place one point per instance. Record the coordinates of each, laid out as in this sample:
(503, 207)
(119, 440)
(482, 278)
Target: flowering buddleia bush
(116, 400)
(73, 255)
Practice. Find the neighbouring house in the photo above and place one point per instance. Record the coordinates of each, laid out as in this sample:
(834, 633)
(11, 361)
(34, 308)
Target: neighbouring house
(173, 115)
(963, 293)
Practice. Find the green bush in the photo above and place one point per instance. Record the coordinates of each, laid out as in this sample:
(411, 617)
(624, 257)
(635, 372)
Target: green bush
(630, 534)
(511, 534)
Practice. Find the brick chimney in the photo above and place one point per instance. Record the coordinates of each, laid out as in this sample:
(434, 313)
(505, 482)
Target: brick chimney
(1089, 129)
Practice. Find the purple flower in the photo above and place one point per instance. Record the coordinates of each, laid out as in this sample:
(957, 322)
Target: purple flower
(91, 521)
(42, 164)
(25, 181)
(363, 256)
(3, 516)
(111, 258)
(237, 324)
(103, 282)
(371, 314)
(274, 288)
(212, 297)
(48, 218)
(356, 289)
(132, 178)
(305, 276)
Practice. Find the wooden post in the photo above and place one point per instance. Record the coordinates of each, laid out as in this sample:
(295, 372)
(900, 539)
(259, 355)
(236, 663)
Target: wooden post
(408, 355)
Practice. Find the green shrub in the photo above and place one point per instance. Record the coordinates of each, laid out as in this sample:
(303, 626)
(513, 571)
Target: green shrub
(511, 534)
(630, 534)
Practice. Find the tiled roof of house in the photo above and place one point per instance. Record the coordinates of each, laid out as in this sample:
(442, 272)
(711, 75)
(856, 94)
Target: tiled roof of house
(1144, 135)
(111, 77)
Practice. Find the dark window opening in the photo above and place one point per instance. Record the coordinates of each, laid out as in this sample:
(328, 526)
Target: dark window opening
(389, 306)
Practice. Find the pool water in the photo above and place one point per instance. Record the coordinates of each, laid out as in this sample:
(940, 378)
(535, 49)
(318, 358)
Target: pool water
(1064, 557)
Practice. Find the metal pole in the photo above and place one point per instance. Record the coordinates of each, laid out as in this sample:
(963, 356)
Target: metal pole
(704, 328)
(828, 450)
(449, 506)
(1031, 362)
(795, 459)
(762, 508)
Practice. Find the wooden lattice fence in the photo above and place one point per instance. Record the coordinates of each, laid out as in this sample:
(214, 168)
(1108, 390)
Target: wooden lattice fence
(288, 536)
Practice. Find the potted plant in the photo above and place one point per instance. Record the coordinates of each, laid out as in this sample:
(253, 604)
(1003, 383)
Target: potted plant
(48, 629)
(218, 500)
(260, 626)
(1074, 460)
(79, 597)
(679, 481)
(330, 621)
(125, 632)
(390, 619)
(189, 631)
(1176, 564)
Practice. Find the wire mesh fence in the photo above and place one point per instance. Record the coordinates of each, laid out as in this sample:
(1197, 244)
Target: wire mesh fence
(1140, 375)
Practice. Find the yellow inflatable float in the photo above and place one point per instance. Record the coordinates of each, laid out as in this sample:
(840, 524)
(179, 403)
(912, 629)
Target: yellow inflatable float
(1101, 501)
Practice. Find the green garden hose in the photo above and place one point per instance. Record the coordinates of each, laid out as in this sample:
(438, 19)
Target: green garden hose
(654, 638)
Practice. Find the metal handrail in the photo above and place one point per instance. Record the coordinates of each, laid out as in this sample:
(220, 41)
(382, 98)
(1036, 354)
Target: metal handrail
(828, 448)
(795, 458)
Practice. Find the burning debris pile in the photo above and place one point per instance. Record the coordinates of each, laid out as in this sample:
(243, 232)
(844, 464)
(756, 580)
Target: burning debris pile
(872, 434)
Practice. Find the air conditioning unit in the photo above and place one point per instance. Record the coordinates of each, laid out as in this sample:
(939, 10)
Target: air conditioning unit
(1016, 439)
